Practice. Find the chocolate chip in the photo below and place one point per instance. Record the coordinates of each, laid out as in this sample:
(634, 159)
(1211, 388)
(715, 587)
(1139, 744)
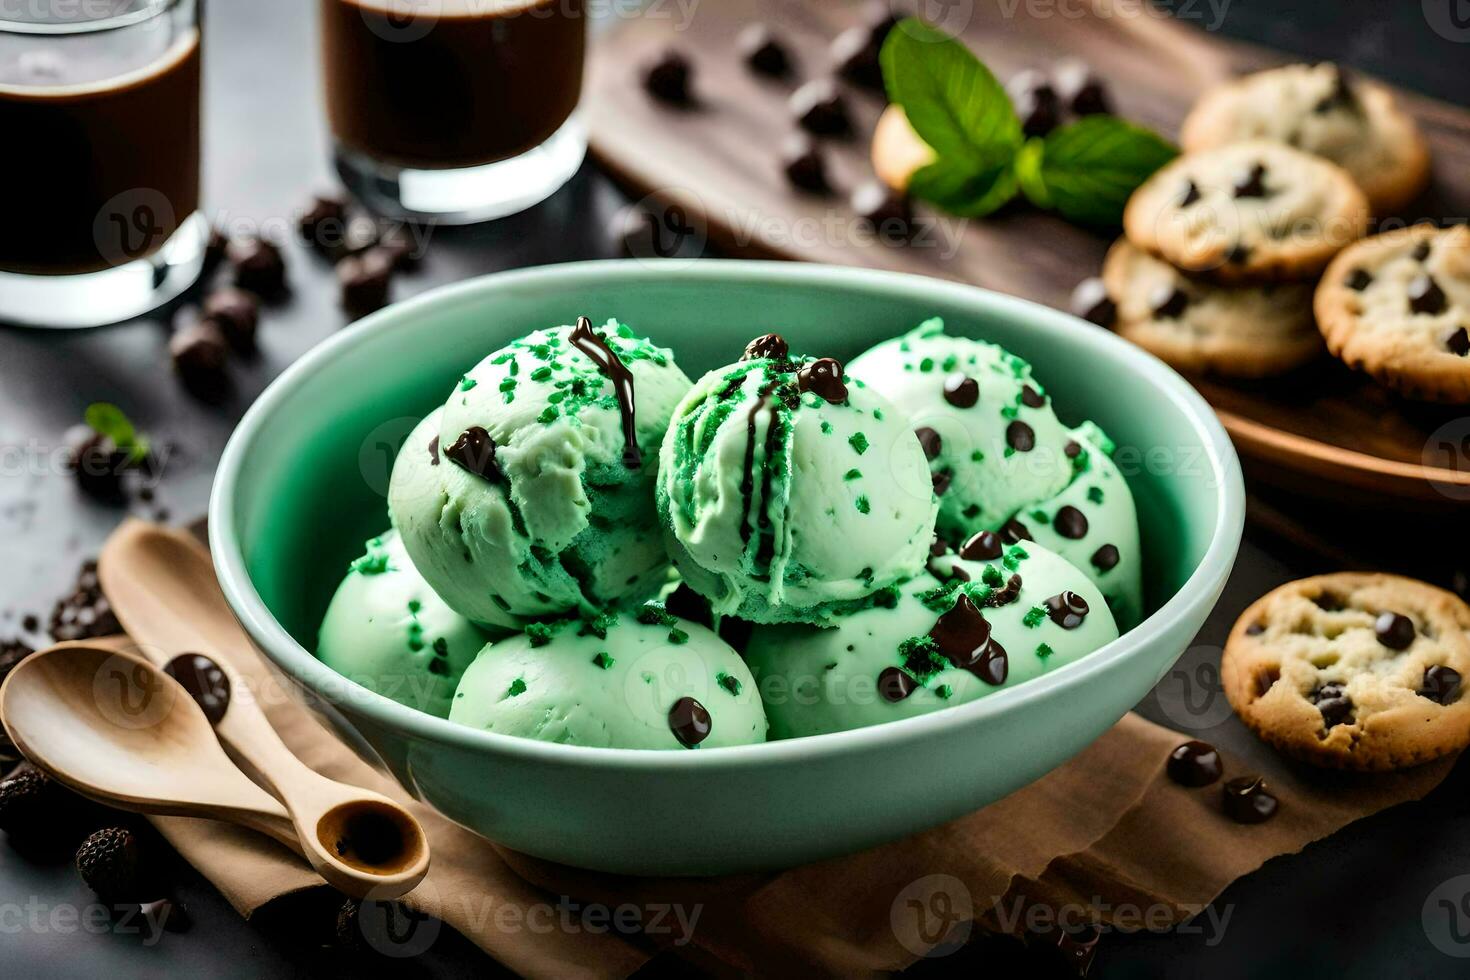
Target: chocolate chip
(1440, 684)
(434, 451)
(1020, 436)
(1394, 630)
(1421, 251)
(856, 56)
(258, 266)
(1238, 254)
(1013, 531)
(804, 165)
(823, 377)
(962, 636)
(97, 463)
(474, 451)
(883, 210)
(1252, 183)
(1106, 558)
(961, 391)
(685, 603)
(762, 52)
(938, 547)
(1070, 523)
(1335, 705)
(401, 246)
(1457, 341)
(237, 314)
(690, 722)
(770, 346)
(1190, 195)
(1007, 595)
(983, 546)
(1168, 302)
(1358, 280)
(1341, 95)
(364, 281)
(1067, 609)
(1036, 102)
(1032, 398)
(1246, 800)
(200, 355)
(1255, 629)
(206, 683)
(84, 613)
(1425, 296)
(930, 441)
(1091, 302)
(215, 249)
(941, 481)
(820, 109)
(326, 213)
(894, 685)
(1072, 449)
(1080, 90)
(667, 78)
(1195, 763)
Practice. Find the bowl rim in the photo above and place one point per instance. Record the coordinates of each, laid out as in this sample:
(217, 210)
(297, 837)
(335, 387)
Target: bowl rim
(281, 649)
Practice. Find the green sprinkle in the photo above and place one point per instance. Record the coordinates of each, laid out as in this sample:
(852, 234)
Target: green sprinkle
(509, 384)
(944, 691)
(678, 637)
(466, 383)
(878, 414)
(926, 365)
(515, 367)
(826, 428)
(548, 415)
(539, 634)
(1043, 650)
(940, 599)
(1014, 557)
(541, 374)
(375, 562)
(441, 669)
(863, 506)
(993, 576)
(516, 689)
(1095, 494)
(1010, 451)
(729, 683)
(441, 647)
(921, 656)
(604, 659)
(415, 643)
(853, 474)
(653, 614)
(1009, 412)
(1033, 617)
(977, 456)
(414, 606)
(598, 626)
(1041, 517)
(858, 442)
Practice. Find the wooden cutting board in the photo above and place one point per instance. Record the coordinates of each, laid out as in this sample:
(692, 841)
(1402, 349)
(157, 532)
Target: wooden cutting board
(1325, 430)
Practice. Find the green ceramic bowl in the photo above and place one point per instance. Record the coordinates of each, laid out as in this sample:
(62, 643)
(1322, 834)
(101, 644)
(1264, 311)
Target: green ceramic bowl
(303, 480)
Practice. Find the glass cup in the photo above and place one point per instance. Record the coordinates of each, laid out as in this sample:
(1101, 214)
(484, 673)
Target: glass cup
(99, 104)
(454, 111)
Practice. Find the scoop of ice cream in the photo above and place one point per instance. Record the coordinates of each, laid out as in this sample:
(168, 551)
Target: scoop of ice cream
(789, 490)
(644, 680)
(993, 441)
(531, 492)
(961, 630)
(1093, 524)
(387, 630)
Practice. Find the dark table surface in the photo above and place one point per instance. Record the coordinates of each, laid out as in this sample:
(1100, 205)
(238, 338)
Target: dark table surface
(1361, 904)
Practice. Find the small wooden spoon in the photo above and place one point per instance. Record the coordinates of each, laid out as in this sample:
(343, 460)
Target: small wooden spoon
(115, 728)
(162, 587)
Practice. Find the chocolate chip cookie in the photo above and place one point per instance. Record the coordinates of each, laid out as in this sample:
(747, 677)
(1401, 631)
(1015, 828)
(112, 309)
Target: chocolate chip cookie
(1324, 110)
(1353, 671)
(1249, 212)
(1397, 306)
(1195, 325)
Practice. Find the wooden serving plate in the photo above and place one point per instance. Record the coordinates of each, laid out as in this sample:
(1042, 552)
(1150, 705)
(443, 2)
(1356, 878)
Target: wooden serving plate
(1326, 430)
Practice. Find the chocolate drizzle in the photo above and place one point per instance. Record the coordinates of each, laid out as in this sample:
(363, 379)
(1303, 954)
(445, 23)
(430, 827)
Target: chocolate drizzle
(474, 451)
(770, 346)
(963, 638)
(434, 451)
(586, 340)
(1067, 609)
(824, 377)
(204, 681)
(894, 685)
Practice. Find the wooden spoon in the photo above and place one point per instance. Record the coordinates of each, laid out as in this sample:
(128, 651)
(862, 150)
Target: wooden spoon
(162, 587)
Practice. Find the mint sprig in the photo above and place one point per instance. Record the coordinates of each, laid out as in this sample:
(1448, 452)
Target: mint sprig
(108, 420)
(1085, 170)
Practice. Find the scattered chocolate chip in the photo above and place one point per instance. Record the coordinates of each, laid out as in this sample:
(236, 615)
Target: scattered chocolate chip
(1425, 296)
(324, 217)
(824, 377)
(1358, 280)
(938, 547)
(84, 613)
(1252, 183)
(215, 248)
(983, 546)
(1457, 341)
(1070, 523)
(1020, 436)
(689, 721)
(941, 481)
(894, 685)
(805, 166)
(1106, 558)
(1032, 398)
(1191, 194)
(1067, 609)
(1036, 102)
(200, 355)
(1195, 764)
(400, 245)
(365, 281)
(685, 603)
(110, 861)
(1246, 800)
(1394, 630)
(1333, 702)
(1440, 684)
(1421, 251)
(667, 78)
(961, 391)
(857, 57)
(1091, 302)
(31, 623)
(883, 210)
(762, 52)
(930, 441)
(237, 314)
(820, 109)
(97, 464)
(1079, 89)
(12, 652)
(474, 451)
(1168, 302)
(771, 345)
(258, 266)
(1014, 531)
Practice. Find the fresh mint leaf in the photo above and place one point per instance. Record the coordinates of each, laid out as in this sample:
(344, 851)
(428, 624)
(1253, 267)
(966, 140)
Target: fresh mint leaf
(951, 99)
(108, 420)
(1087, 170)
(962, 192)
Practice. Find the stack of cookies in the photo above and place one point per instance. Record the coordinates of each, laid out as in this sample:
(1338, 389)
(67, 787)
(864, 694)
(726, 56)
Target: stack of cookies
(1225, 247)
